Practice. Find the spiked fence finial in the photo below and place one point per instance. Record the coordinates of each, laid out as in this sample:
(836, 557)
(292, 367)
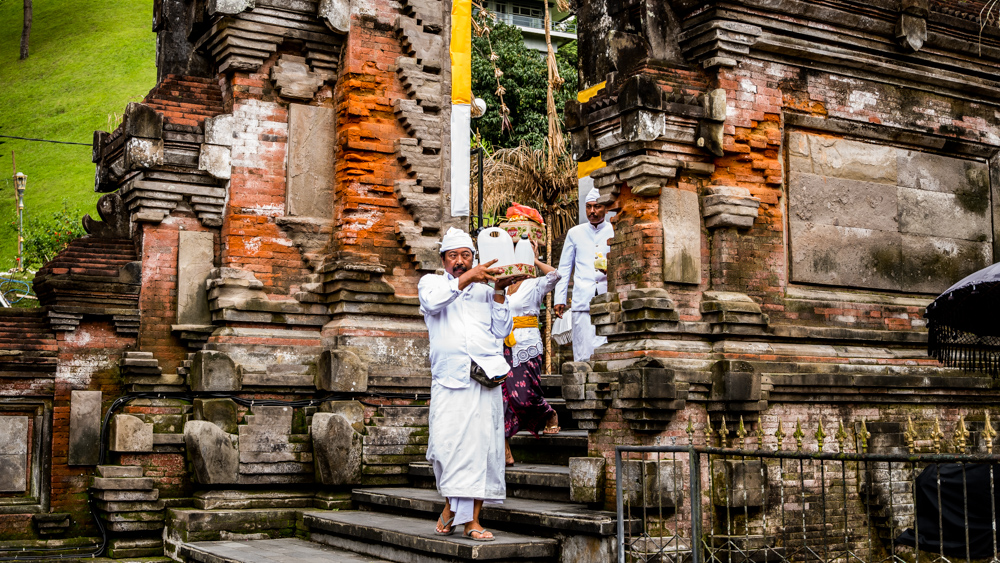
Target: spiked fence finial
(937, 435)
(864, 435)
(820, 436)
(841, 436)
(988, 434)
(961, 435)
(690, 432)
(780, 435)
(910, 435)
(798, 435)
(741, 433)
(759, 432)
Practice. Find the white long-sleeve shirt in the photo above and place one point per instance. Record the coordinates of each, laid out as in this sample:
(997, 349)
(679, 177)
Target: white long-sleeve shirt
(526, 302)
(463, 326)
(582, 244)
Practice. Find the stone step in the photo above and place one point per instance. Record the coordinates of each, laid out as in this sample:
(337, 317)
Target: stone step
(406, 539)
(285, 550)
(524, 480)
(552, 449)
(540, 516)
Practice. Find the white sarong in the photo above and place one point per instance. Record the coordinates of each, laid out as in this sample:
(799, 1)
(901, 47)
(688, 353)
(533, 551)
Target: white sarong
(465, 445)
(585, 337)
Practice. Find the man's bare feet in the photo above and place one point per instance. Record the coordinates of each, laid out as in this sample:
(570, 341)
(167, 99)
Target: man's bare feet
(475, 531)
(444, 526)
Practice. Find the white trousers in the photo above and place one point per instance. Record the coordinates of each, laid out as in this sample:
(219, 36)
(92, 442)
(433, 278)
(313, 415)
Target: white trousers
(585, 337)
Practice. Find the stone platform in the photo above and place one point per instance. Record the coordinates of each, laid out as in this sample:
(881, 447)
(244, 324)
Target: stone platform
(286, 550)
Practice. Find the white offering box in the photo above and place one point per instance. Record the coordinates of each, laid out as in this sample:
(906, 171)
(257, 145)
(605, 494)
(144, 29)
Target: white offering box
(495, 243)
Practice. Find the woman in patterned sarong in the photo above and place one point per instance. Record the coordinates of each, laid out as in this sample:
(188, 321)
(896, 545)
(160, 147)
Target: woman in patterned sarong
(524, 406)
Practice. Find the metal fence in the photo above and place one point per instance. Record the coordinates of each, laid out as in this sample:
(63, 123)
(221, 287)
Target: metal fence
(774, 498)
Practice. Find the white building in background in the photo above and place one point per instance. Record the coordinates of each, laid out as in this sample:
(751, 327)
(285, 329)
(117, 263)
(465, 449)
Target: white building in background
(529, 17)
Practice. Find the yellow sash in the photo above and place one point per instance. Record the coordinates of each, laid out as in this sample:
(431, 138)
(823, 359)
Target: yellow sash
(520, 322)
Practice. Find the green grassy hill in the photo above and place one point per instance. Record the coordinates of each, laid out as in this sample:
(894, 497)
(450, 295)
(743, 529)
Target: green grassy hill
(88, 59)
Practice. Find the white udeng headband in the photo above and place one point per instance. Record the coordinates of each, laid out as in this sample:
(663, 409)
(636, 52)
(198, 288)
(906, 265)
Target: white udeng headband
(456, 238)
(593, 194)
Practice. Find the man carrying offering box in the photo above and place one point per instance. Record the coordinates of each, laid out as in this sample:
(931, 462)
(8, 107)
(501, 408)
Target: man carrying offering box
(584, 255)
(466, 322)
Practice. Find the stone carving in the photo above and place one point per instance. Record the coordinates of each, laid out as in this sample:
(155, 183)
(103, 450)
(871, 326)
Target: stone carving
(294, 79)
(238, 296)
(311, 158)
(195, 257)
(214, 371)
(911, 29)
(681, 236)
(342, 371)
(337, 449)
(220, 412)
(336, 14)
(718, 42)
(114, 221)
(728, 206)
(213, 453)
(130, 434)
(710, 130)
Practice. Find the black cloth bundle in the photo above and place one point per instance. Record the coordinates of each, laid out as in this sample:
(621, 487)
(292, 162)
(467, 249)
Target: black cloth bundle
(949, 537)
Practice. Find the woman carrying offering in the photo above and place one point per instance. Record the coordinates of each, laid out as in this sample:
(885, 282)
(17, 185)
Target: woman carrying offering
(524, 406)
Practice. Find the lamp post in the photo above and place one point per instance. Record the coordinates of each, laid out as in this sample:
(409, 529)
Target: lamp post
(20, 181)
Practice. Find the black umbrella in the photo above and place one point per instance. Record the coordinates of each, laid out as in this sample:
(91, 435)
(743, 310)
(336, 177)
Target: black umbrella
(964, 323)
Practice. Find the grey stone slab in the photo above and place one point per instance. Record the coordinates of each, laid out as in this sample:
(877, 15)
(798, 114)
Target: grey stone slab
(13, 473)
(933, 264)
(127, 495)
(212, 452)
(123, 484)
(284, 550)
(552, 515)
(310, 160)
(387, 535)
(681, 220)
(841, 158)
(13, 435)
(338, 448)
(84, 427)
(847, 203)
(923, 212)
(939, 173)
(119, 471)
(859, 258)
(130, 434)
(195, 256)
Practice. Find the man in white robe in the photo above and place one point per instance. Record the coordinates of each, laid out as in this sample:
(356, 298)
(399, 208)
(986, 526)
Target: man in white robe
(583, 243)
(466, 322)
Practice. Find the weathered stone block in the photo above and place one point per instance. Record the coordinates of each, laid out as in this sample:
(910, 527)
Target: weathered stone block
(216, 160)
(734, 381)
(214, 371)
(341, 370)
(653, 483)
(212, 452)
(337, 449)
(220, 412)
(294, 79)
(229, 6)
(311, 147)
(739, 483)
(195, 256)
(84, 427)
(220, 130)
(353, 411)
(336, 14)
(130, 434)
(681, 220)
(586, 479)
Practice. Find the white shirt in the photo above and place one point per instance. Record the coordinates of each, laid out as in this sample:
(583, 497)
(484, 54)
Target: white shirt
(582, 244)
(463, 325)
(525, 302)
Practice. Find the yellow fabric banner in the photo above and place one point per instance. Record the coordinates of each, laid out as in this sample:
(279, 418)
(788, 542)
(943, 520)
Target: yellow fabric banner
(583, 169)
(461, 52)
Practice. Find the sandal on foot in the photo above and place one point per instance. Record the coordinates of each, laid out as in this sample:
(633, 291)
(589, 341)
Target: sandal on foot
(482, 535)
(551, 429)
(451, 529)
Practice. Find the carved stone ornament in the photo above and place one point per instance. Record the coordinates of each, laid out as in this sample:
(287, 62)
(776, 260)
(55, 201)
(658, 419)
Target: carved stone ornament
(114, 220)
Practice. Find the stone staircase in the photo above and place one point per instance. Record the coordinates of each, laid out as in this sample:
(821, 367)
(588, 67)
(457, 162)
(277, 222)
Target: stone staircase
(536, 523)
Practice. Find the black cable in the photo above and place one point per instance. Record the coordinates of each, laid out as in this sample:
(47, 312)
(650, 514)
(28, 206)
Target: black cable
(46, 141)
(187, 396)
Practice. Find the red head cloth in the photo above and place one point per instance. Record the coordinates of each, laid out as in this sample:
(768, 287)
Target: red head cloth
(516, 212)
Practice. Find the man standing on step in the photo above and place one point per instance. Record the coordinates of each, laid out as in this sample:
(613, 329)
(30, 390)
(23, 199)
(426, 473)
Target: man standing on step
(466, 321)
(585, 255)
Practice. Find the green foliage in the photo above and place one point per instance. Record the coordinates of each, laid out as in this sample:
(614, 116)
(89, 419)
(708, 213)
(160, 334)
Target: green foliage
(524, 80)
(46, 235)
(89, 58)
